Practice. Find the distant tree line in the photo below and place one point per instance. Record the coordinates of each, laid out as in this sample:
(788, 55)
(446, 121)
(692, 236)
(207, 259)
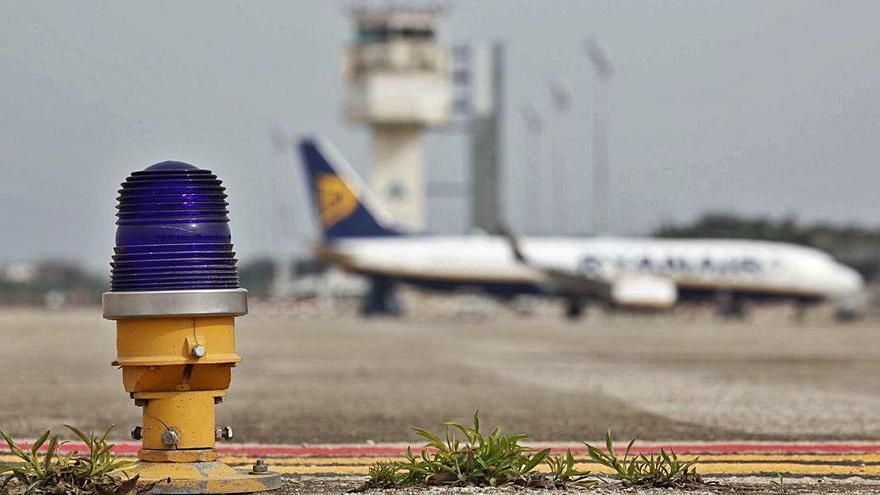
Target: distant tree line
(856, 246)
(55, 282)
(59, 281)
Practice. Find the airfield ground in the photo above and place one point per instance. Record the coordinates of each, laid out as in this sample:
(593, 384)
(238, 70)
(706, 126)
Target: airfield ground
(310, 378)
(320, 379)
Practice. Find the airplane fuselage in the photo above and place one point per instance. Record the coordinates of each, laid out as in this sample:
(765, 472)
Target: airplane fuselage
(697, 267)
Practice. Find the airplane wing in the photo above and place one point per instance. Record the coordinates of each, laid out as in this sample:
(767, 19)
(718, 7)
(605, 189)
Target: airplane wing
(645, 291)
(568, 283)
(562, 281)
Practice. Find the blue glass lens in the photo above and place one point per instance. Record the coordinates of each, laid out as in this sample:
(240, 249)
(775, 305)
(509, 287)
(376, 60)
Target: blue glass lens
(172, 231)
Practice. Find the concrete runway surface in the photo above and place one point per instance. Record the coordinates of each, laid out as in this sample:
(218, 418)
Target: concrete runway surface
(309, 379)
(314, 379)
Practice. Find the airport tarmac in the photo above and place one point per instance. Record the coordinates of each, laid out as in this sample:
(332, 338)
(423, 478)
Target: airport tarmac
(308, 379)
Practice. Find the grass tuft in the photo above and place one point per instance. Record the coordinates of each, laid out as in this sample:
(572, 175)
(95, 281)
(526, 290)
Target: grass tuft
(662, 470)
(55, 473)
(465, 456)
(384, 474)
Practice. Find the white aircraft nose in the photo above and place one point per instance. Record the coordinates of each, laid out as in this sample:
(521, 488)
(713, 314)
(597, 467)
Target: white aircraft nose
(847, 280)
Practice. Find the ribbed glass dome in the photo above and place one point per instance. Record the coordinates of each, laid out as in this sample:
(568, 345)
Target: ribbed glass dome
(172, 231)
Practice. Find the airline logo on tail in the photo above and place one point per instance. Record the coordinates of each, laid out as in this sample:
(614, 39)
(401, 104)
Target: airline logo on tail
(336, 199)
(339, 197)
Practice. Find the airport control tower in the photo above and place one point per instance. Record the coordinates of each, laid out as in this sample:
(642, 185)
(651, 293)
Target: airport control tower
(399, 82)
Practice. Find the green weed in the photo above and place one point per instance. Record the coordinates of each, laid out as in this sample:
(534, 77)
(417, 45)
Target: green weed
(563, 472)
(464, 455)
(55, 473)
(384, 474)
(779, 482)
(659, 471)
(34, 466)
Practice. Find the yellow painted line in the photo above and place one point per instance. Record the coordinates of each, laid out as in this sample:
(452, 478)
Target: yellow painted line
(866, 465)
(805, 458)
(801, 469)
(867, 458)
(295, 461)
(703, 459)
(704, 469)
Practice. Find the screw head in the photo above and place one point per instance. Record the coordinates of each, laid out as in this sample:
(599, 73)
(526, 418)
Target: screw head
(137, 433)
(169, 438)
(199, 351)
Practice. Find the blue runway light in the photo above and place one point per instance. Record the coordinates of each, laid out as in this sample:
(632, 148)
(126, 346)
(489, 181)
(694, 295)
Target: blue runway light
(174, 295)
(172, 232)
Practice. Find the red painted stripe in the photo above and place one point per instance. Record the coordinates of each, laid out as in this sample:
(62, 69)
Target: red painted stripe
(397, 450)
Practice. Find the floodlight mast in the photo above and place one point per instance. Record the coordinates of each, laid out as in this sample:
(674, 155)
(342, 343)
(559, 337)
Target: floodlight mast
(560, 98)
(534, 127)
(603, 72)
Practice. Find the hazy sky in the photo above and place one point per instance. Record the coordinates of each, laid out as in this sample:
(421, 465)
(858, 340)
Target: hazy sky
(764, 107)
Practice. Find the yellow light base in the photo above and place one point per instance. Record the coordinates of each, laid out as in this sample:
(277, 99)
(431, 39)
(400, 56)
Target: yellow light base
(202, 477)
(177, 369)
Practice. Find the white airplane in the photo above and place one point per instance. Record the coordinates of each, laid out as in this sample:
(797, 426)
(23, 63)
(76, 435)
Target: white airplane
(624, 272)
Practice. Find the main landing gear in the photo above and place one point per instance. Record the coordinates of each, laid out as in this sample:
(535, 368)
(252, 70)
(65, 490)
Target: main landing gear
(381, 299)
(574, 307)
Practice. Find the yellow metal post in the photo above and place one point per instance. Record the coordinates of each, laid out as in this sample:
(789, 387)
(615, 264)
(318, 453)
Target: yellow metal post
(177, 368)
(174, 296)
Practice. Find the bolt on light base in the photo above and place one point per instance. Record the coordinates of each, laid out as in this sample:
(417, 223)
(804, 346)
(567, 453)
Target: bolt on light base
(174, 296)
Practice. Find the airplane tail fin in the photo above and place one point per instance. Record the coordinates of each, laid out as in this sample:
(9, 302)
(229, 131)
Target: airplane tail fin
(343, 204)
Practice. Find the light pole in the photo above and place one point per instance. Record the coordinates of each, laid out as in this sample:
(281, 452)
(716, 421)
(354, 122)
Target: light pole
(561, 99)
(282, 283)
(534, 127)
(603, 71)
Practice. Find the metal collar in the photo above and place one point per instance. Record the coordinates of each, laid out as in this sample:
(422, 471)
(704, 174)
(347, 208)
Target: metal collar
(219, 302)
